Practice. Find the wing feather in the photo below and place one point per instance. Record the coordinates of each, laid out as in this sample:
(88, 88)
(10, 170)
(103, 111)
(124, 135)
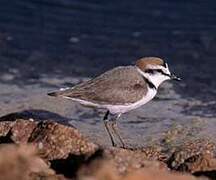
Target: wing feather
(118, 86)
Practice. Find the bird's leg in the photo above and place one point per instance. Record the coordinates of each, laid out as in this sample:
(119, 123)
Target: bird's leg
(106, 122)
(115, 129)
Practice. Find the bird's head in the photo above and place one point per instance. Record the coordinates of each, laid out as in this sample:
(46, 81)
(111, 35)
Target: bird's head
(155, 70)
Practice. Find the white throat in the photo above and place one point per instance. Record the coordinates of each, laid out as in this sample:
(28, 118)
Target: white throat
(156, 80)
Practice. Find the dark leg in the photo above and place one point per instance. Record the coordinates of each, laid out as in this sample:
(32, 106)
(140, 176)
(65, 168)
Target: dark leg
(106, 121)
(115, 129)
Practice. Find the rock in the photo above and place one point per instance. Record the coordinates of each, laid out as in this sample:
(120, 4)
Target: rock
(197, 158)
(5, 127)
(63, 147)
(69, 153)
(36, 176)
(54, 140)
(155, 174)
(126, 160)
(16, 131)
(107, 171)
(20, 162)
(57, 141)
(189, 151)
(21, 130)
(198, 163)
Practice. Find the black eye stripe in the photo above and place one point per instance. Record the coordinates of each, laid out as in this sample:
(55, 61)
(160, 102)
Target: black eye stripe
(150, 71)
(160, 71)
(153, 71)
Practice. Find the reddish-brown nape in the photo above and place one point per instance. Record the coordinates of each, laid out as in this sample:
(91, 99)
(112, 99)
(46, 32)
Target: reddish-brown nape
(144, 62)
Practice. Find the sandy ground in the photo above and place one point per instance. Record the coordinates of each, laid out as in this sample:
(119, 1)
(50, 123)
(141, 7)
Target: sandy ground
(45, 46)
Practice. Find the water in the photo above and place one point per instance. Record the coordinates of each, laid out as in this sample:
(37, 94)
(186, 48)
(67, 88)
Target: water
(45, 45)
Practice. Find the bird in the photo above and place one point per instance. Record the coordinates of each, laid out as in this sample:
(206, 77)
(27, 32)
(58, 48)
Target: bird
(120, 90)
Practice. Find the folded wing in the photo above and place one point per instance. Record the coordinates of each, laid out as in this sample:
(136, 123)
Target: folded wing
(118, 86)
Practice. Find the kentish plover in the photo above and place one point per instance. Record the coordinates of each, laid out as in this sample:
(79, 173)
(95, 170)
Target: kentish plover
(120, 90)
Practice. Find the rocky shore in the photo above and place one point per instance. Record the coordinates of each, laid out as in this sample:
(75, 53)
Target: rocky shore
(46, 149)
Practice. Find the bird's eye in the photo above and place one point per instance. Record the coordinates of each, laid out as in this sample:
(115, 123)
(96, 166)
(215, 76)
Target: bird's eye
(159, 71)
(150, 71)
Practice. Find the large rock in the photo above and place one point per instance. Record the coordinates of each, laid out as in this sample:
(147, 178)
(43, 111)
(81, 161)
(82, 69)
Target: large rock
(54, 140)
(63, 147)
(57, 141)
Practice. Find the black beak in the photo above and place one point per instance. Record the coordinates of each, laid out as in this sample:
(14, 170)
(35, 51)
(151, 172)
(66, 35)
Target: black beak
(174, 77)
